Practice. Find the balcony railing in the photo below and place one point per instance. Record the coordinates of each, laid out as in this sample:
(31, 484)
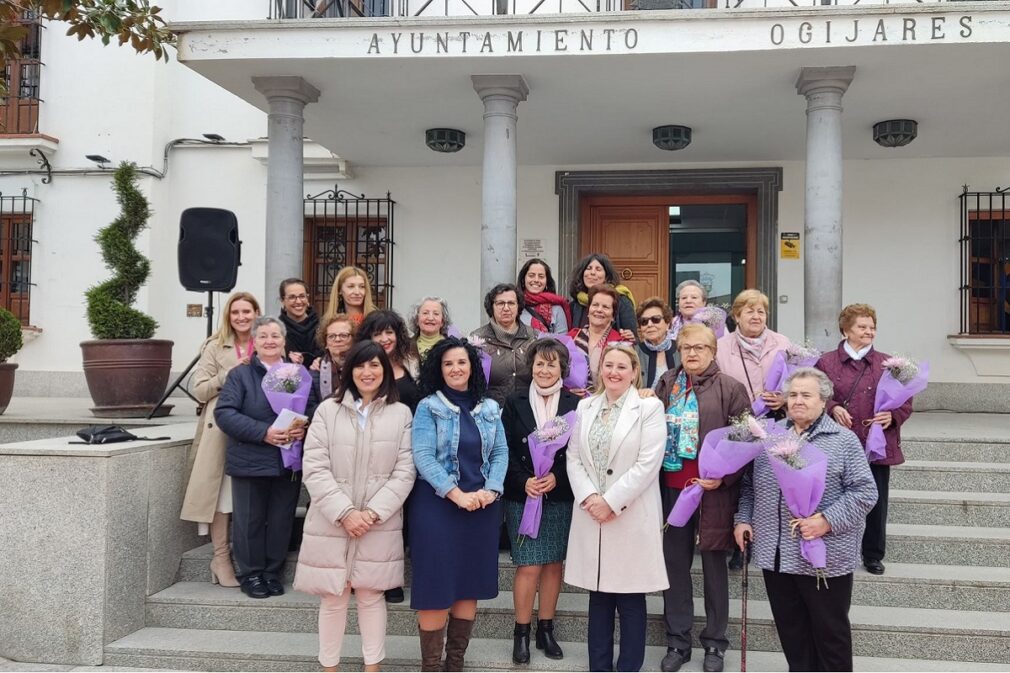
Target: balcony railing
(307, 9)
(19, 109)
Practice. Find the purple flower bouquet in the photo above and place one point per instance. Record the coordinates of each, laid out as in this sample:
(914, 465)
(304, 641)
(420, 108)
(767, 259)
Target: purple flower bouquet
(776, 376)
(724, 451)
(902, 380)
(712, 317)
(544, 444)
(485, 358)
(801, 470)
(286, 386)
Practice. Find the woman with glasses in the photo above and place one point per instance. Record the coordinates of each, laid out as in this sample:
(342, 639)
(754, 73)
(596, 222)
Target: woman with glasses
(335, 335)
(301, 321)
(698, 398)
(656, 349)
(506, 340)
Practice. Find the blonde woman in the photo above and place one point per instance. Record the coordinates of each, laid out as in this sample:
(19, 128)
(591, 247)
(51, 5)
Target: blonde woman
(351, 294)
(614, 457)
(208, 495)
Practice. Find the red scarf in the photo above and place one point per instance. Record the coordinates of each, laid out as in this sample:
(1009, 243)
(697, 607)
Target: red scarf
(542, 304)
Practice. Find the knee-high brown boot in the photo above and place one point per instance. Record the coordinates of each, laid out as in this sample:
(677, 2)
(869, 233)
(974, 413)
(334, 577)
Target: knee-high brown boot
(221, 569)
(431, 649)
(456, 640)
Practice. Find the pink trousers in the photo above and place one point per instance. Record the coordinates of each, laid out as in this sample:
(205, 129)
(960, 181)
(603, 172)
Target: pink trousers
(371, 624)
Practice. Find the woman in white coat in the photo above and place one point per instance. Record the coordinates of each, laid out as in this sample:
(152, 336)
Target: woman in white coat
(359, 470)
(615, 547)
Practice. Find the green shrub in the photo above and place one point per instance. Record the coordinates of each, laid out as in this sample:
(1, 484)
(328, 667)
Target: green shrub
(110, 311)
(10, 335)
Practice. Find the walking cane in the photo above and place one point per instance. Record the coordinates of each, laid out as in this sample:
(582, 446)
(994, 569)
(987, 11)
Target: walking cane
(743, 616)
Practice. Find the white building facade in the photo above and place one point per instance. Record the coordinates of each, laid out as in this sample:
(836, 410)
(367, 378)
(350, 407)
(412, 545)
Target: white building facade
(781, 187)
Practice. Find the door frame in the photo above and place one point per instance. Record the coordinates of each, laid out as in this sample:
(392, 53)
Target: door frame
(764, 183)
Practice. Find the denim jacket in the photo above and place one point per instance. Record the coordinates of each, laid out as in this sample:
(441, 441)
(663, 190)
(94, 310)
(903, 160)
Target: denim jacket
(435, 440)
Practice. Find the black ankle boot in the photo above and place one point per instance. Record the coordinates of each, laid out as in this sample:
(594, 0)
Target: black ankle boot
(545, 639)
(521, 644)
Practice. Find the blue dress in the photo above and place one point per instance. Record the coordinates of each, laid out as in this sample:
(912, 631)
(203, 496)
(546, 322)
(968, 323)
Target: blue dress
(453, 553)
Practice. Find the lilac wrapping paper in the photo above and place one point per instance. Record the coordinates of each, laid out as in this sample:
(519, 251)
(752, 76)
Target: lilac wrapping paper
(718, 458)
(802, 491)
(296, 401)
(454, 332)
(485, 365)
(543, 458)
(578, 361)
(891, 394)
(776, 376)
(720, 329)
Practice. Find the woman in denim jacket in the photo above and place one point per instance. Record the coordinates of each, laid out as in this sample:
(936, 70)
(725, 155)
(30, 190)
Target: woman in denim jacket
(453, 513)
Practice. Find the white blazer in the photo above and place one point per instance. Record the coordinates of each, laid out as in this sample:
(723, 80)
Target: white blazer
(626, 554)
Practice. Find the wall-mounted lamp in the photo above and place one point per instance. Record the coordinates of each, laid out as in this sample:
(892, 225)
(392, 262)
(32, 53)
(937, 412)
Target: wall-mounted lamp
(98, 159)
(895, 132)
(671, 137)
(444, 140)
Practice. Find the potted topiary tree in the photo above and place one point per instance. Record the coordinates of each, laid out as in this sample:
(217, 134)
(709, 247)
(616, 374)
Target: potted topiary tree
(10, 343)
(126, 370)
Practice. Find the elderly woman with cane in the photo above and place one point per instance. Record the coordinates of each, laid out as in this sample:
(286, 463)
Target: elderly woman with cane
(811, 613)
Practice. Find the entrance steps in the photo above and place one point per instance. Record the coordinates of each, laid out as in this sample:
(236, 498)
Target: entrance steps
(943, 604)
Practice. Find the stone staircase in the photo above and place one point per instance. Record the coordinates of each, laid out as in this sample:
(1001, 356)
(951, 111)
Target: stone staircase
(944, 603)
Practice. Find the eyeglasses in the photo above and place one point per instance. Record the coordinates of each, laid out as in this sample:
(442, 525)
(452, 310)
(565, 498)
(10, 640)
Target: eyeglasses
(341, 336)
(506, 304)
(694, 349)
(654, 319)
(297, 297)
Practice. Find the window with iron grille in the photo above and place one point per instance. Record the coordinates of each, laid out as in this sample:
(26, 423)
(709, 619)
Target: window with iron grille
(19, 109)
(985, 262)
(17, 214)
(344, 229)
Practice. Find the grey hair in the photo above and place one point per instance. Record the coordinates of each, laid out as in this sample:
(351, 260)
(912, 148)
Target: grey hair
(824, 385)
(415, 312)
(269, 320)
(691, 283)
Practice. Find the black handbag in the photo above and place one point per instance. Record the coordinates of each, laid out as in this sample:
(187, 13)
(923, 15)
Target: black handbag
(109, 434)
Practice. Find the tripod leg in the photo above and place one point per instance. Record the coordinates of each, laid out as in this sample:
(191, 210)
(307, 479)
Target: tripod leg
(176, 384)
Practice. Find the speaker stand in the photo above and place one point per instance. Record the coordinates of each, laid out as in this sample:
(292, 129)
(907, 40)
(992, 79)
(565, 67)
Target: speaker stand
(209, 309)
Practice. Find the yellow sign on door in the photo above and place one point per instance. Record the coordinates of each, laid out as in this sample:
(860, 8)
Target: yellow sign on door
(789, 245)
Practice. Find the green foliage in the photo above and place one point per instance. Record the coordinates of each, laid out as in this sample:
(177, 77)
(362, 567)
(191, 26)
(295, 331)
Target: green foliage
(109, 304)
(10, 335)
(133, 21)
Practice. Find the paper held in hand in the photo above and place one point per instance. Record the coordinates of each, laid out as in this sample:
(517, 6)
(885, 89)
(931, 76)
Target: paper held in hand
(289, 420)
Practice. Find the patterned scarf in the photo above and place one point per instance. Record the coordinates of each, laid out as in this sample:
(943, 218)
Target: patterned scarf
(751, 346)
(681, 424)
(542, 304)
(327, 372)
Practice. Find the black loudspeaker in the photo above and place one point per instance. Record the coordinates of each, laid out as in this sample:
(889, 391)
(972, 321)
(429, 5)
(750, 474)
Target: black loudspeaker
(209, 250)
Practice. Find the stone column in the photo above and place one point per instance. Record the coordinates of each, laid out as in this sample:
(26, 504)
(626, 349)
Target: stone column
(287, 97)
(501, 95)
(822, 211)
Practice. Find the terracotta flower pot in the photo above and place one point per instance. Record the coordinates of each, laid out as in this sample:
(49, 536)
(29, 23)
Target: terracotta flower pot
(127, 377)
(6, 384)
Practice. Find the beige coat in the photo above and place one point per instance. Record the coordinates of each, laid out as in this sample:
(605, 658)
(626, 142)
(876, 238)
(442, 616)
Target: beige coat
(624, 555)
(347, 468)
(209, 443)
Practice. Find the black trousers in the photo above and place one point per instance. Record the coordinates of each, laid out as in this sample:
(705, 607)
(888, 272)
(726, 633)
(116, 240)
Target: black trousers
(631, 609)
(262, 516)
(875, 536)
(813, 623)
(678, 600)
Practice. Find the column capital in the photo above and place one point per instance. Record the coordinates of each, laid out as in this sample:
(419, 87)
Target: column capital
(837, 78)
(286, 87)
(510, 86)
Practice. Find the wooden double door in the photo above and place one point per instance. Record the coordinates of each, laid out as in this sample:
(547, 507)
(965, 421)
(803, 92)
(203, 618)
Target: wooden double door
(656, 242)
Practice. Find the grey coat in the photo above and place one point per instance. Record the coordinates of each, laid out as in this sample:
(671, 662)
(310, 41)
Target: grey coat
(849, 494)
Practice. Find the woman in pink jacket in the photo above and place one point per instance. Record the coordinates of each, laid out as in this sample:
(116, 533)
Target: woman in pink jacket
(747, 353)
(358, 469)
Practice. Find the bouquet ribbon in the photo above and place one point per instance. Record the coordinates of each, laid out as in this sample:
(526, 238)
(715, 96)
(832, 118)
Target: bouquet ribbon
(542, 452)
(891, 394)
(291, 455)
(719, 457)
(802, 490)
